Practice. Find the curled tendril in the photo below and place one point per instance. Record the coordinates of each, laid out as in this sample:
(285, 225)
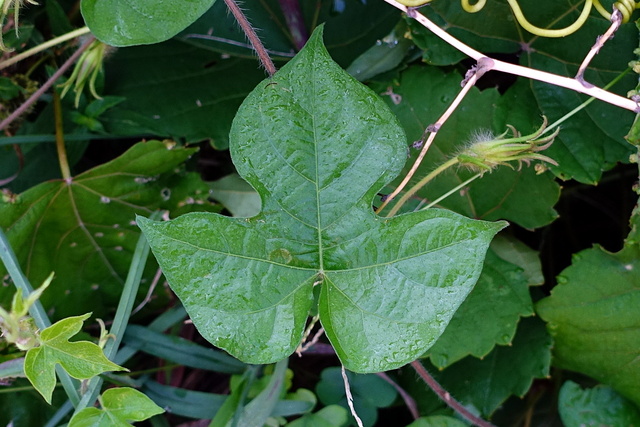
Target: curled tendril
(626, 7)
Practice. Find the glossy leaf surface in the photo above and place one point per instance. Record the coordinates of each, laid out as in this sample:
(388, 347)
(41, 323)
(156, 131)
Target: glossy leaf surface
(318, 146)
(134, 22)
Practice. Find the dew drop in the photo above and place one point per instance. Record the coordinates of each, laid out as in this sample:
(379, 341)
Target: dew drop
(628, 267)
(105, 199)
(95, 287)
(99, 234)
(73, 244)
(118, 248)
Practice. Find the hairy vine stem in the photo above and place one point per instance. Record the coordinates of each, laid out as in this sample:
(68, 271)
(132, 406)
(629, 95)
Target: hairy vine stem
(446, 397)
(543, 76)
(430, 132)
(251, 34)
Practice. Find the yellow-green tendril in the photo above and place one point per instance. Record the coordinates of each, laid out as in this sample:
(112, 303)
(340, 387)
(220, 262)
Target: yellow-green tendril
(626, 7)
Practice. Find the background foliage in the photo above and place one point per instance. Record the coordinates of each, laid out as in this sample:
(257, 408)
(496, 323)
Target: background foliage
(548, 335)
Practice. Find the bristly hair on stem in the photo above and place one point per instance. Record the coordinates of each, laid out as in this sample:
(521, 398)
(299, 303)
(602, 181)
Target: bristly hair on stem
(251, 34)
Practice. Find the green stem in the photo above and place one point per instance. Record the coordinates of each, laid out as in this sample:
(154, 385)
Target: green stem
(453, 190)
(44, 46)
(584, 104)
(36, 310)
(60, 147)
(123, 312)
(424, 181)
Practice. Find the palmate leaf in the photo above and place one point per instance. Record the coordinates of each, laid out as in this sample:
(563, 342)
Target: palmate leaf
(317, 146)
(83, 229)
(81, 359)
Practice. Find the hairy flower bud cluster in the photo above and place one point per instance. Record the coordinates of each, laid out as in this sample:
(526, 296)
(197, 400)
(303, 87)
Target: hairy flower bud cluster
(488, 152)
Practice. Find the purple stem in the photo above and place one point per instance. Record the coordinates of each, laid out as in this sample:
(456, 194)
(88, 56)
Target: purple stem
(295, 22)
(37, 94)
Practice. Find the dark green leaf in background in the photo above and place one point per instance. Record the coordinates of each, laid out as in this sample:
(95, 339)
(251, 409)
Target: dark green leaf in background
(317, 146)
(369, 392)
(592, 141)
(349, 31)
(519, 195)
(507, 370)
(599, 406)
(84, 229)
(191, 96)
(134, 22)
(593, 317)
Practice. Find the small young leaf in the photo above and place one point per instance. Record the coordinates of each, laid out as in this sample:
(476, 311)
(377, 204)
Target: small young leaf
(81, 359)
(318, 146)
(119, 407)
(599, 406)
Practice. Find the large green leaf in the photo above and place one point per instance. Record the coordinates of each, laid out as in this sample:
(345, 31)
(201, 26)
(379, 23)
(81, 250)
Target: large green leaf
(599, 406)
(519, 195)
(83, 229)
(500, 298)
(128, 22)
(318, 146)
(592, 141)
(81, 359)
(593, 317)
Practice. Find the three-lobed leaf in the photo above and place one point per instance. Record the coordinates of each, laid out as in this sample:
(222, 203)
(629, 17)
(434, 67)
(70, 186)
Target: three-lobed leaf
(81, 359)
(318, 146)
